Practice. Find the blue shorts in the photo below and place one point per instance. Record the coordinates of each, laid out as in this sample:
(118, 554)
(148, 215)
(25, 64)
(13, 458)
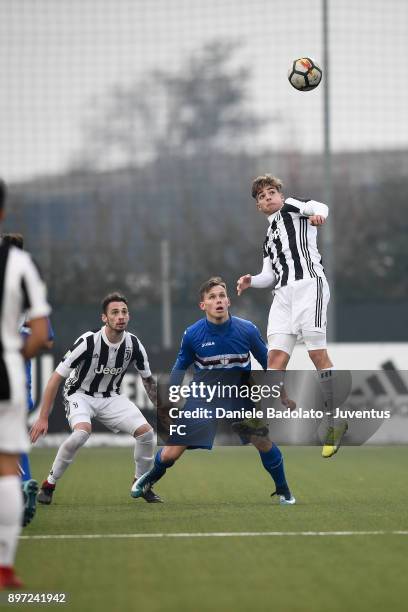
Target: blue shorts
(193, 432)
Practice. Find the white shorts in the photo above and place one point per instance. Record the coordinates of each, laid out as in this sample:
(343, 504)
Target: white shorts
(13, 428)
(13, 412)
(299, 309)
(117, 413)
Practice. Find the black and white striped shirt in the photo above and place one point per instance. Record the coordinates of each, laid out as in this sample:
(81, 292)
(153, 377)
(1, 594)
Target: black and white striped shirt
(291, 241)
(95, 366)
(22, 295)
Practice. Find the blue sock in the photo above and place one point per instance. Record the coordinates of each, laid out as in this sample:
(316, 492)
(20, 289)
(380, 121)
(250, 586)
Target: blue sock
(25, 465)
(159, 468)
(272, 461)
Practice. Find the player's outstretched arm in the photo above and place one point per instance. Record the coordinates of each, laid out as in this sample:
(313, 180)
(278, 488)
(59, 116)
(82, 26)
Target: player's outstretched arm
(266, 278)
(40, 426)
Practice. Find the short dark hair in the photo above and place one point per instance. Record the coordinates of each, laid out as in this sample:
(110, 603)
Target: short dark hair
(267, 180)
(16, 240)
(116, 296)
(209, 284)
(3, 193)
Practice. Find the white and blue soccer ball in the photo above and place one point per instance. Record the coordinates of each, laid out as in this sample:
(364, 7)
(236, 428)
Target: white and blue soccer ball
(304, 74)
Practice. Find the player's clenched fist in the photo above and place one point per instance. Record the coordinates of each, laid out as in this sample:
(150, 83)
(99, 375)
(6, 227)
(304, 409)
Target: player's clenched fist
(317, 220)
(243, 283)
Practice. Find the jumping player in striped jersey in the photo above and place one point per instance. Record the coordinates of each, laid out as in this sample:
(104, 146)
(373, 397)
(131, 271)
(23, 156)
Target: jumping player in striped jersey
(293, 266)
(217, 343)
(94, 369)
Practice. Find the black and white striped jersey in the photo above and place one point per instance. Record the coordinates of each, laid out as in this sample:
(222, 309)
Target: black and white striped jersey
(22, 294)
(96, 367)
(291, 241)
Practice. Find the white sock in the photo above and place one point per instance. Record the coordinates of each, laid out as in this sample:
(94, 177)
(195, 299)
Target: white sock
(11, 510)
(326, 385)
(144, 453)
(66, 454)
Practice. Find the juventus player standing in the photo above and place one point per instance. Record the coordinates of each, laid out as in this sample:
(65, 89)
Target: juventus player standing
(22, 293)
(293, 265)
(94, 369)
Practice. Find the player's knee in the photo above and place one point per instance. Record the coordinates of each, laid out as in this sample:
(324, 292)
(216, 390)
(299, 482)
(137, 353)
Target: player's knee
(146, 437)
(277, 359)
(172, 453)
(77, 439)
(143, 429)
(83, 427)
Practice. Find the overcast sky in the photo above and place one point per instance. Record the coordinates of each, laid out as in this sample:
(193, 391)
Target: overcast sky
(56, 55)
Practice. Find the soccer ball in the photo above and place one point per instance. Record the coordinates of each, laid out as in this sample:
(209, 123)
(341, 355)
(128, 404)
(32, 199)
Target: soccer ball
(304, 74)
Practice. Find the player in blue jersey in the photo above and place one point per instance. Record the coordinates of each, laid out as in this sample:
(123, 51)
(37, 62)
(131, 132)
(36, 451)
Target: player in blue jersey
(29, 484)
(217, 342)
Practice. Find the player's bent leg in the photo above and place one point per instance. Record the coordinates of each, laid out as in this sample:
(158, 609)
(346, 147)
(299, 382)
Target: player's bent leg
(272, 460)
(65, 456)
(11, 509)
(165, 458)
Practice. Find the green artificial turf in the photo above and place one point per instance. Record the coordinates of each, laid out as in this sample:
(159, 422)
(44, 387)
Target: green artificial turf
(225, 491)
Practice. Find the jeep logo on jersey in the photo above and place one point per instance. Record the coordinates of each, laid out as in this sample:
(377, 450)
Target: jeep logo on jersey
(105, 370)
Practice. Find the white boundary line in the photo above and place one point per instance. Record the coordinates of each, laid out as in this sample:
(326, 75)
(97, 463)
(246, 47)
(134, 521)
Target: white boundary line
(215, 534)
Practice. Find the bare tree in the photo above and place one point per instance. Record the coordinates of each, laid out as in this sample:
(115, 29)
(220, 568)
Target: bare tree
(201, 107)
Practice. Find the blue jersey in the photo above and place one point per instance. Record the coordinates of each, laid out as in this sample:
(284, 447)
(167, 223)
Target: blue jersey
(221, 355)
(227, 346)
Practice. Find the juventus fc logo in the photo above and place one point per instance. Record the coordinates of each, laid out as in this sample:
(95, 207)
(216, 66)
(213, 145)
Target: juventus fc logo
(128, 353)
(275, 234)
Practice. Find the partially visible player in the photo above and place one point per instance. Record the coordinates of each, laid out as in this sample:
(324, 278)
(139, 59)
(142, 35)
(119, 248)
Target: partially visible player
(29, 484)
(93, 370)
(220, 343)
(22, 294)
(293, 265)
